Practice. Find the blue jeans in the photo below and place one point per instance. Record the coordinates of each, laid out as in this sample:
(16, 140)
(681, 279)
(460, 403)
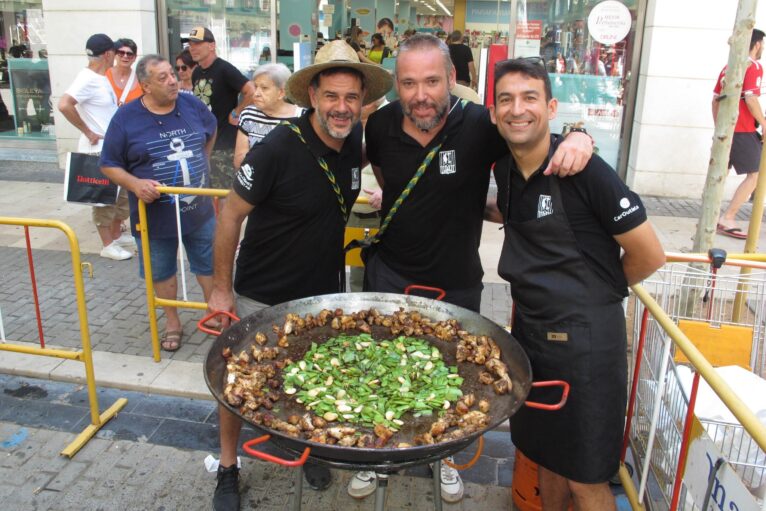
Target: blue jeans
(164, 253)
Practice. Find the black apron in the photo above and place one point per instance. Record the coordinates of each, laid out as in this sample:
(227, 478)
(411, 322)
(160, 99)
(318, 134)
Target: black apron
(571, 324)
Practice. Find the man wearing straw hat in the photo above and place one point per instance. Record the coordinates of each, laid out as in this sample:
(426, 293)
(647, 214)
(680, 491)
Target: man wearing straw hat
(296, 189)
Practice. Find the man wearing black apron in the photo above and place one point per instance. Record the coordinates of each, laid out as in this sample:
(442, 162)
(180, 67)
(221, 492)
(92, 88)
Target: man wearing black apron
(561, 255)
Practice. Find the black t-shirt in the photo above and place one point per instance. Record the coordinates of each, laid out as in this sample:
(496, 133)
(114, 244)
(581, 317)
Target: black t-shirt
(461, 56)
(293, 243)
(218, 87)
(434, 237)
(597, 203)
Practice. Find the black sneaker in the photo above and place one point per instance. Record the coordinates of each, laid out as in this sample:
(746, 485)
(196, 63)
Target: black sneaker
(226, 496)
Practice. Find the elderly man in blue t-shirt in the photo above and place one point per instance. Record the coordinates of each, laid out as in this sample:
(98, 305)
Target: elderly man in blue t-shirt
(165, 139)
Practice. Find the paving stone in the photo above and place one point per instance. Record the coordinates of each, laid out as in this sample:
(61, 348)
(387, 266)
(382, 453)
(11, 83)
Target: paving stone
(66, 475)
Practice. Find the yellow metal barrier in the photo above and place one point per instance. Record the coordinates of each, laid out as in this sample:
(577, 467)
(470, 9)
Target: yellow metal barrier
(85, 355)
(153, 302)
(744, 415)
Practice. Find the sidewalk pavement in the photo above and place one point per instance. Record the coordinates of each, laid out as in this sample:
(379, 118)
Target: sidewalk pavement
(119, 333)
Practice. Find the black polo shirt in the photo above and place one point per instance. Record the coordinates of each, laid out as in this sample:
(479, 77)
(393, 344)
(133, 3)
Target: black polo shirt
(293, 243)
(434, 237)
(597, 203)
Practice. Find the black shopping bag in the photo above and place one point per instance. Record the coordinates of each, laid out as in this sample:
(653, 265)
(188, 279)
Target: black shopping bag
(84, 183)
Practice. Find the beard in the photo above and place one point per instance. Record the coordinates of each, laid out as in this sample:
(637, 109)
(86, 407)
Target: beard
(441, 108)
(325, 124)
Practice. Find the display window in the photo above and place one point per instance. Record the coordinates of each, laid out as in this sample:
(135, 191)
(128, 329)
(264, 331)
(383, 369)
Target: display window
(25, 86)
(242, 28)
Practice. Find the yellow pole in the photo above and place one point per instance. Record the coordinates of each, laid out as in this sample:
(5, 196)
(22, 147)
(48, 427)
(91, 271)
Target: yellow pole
(740, 410)
(47, 352)
(144, 232)
(753, 233)
(630, 489)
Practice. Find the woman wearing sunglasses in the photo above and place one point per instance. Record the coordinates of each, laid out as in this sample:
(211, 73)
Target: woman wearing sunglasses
(184, 67)
(122, 77)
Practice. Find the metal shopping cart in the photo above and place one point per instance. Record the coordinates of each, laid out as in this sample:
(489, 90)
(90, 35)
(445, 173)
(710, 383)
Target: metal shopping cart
(684, 462)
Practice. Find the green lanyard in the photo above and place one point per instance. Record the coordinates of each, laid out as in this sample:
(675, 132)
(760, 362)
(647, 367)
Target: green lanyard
(406, 192)
(408, 189)
(325, 168)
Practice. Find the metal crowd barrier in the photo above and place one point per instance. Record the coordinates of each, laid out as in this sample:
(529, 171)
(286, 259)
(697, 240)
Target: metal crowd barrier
(153, 302)
(85, 355)
(667, 440)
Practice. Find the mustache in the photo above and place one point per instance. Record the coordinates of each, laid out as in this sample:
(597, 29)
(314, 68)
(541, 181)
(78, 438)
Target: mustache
(416, 104)
(340, 116)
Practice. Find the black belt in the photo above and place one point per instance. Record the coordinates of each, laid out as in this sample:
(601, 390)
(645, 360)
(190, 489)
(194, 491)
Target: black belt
(363, 216)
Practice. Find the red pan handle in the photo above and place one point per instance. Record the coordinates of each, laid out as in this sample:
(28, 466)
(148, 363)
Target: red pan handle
(207, 330)
(439, 291)
(248, 448)
(552, 383)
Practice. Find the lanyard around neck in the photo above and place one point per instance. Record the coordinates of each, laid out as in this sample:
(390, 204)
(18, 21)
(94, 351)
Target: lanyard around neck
(326, 168)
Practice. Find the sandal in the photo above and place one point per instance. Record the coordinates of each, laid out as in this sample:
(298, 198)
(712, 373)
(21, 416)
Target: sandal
(732, 232)
(171, 340)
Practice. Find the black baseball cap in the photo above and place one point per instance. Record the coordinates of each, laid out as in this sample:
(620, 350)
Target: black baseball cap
(98, 44)
(200, 34)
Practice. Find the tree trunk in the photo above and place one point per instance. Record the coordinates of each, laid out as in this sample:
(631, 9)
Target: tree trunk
(728, 111)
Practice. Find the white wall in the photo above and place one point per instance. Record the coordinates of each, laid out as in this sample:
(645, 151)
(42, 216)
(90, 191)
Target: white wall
(685, 47)
(68, 24)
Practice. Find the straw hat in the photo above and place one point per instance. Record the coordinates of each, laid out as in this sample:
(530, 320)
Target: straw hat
(377, 80)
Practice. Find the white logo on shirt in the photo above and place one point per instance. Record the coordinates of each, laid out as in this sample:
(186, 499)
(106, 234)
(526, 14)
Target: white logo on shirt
(544, 206)
(447, 162)
(356, 180)
(245, 176)
(624, 203)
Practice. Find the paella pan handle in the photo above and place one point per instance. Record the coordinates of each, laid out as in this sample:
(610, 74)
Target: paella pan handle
(440, 293)
(248, 448)
(207, 329)
(552, 383)
(466, 466)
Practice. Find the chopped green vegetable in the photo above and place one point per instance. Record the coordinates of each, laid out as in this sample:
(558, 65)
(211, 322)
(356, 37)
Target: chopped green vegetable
(369, 382)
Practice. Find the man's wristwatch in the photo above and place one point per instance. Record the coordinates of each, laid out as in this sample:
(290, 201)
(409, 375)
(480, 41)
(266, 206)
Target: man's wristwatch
(235, 115)
(581, 130)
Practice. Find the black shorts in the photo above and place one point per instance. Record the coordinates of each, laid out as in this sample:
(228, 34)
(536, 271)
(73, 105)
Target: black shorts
(745, 154)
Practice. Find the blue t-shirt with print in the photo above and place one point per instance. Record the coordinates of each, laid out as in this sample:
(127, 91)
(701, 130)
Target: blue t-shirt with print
(168, 148)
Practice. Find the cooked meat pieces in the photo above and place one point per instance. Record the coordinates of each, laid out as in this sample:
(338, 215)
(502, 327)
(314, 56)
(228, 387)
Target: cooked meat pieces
(486, 378)
(261, 338)
(483, 406)
(503, 385)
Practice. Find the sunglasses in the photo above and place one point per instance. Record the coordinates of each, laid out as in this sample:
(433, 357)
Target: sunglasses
(126, 54)
(532, 60)
(182, 68)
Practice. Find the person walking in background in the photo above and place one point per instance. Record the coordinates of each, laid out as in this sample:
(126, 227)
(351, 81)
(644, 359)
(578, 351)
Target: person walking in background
(89, 104)
(745, 155)
(219, 84)
(184, 67)
(121, 76)
(164, 139)
(269, 108)
(379, 50)
(462, 59)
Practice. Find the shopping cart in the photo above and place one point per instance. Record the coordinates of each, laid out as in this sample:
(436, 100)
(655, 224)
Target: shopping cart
(722, 313)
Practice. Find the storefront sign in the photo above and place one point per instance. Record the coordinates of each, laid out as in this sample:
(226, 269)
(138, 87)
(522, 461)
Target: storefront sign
(728, 492)
(480, 11)
(528, 37)
(31, 92)
(609, 22)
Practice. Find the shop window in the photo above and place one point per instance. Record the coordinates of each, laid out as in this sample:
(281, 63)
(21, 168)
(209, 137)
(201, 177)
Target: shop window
(242, 28)
(25, 88)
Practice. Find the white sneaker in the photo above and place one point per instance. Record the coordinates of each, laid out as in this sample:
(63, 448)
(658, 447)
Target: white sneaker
(362, 484)
(452, 484)
(116, 252)
(126, 240)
